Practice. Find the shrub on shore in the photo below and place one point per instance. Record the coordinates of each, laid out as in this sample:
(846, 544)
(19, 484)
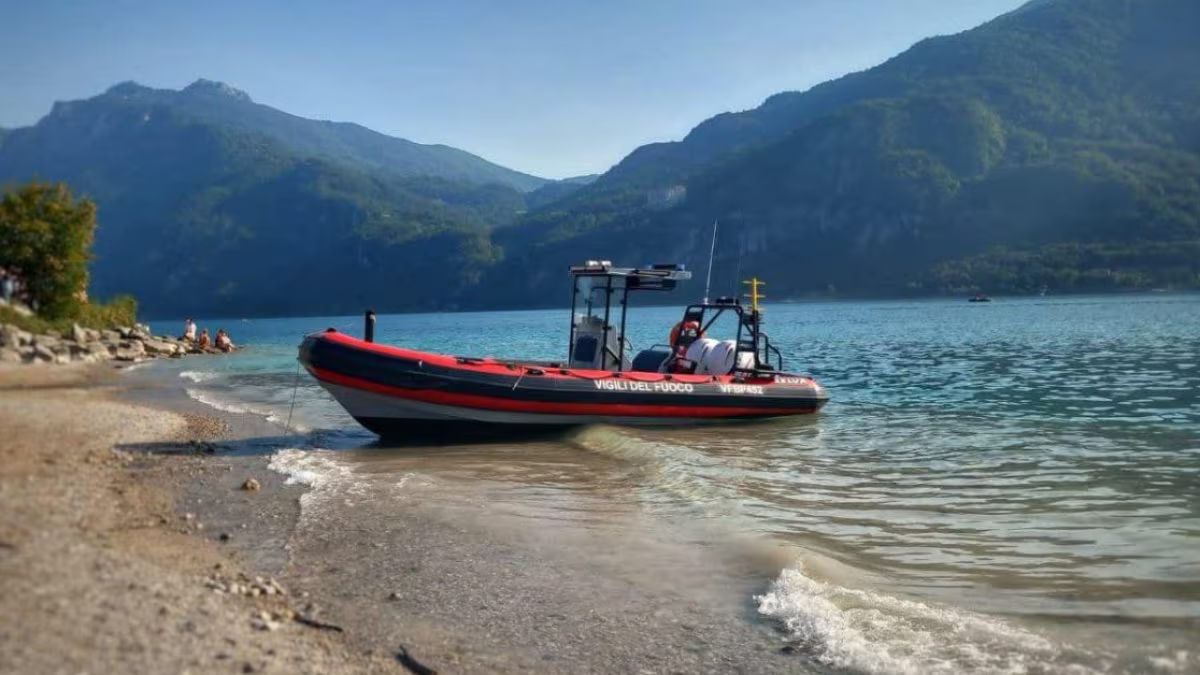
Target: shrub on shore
(120, 311)
(46, 237)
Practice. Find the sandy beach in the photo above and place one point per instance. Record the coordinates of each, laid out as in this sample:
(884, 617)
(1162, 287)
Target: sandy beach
(99, 572)
(128, 544)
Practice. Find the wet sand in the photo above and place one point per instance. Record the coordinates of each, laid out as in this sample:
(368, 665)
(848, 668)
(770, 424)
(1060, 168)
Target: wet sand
(108, 559)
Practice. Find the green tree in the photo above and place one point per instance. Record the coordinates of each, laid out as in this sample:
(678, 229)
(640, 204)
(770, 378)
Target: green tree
(46, 239)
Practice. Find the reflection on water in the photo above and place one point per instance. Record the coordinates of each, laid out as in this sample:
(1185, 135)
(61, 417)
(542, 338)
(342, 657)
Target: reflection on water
(1032, 460)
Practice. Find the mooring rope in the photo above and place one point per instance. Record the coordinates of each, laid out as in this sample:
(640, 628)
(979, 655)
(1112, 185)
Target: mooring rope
(295, 386)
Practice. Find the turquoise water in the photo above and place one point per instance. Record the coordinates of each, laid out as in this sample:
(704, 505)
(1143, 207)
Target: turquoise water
(1012, 486)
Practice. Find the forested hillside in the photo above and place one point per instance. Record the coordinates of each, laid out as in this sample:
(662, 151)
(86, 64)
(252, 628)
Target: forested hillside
(1056, 146)
(211, 203)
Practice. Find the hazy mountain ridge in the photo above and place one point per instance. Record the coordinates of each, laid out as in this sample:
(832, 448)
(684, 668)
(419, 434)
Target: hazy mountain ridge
(341, 142)
(195, 213)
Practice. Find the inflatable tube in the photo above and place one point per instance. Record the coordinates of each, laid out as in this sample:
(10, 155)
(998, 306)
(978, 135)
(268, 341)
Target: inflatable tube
(697, 352)
(719, 359)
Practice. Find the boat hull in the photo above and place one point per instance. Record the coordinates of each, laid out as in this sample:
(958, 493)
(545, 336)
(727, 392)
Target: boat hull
(391, 391)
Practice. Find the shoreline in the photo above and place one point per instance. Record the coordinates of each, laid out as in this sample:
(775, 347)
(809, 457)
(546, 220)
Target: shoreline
(98, 569)
(454, 589)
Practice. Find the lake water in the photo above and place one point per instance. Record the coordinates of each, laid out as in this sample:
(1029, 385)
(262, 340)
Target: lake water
(1001, 487)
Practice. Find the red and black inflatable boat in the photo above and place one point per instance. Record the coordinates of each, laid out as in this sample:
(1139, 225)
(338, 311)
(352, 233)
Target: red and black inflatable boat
(393, 391)
(390, 390)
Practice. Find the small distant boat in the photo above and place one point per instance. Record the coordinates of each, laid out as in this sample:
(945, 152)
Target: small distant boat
(979, 297)
(393, 391)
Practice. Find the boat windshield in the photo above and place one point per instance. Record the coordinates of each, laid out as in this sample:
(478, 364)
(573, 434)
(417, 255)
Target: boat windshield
(593, 296)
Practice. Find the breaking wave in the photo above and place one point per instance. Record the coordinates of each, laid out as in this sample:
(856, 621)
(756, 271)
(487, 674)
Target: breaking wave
(308, 467)
(331, 480)
(238, 408)
(198, 376)
(874, 632)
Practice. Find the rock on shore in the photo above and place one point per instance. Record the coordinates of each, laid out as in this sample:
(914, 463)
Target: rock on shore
(88, 345)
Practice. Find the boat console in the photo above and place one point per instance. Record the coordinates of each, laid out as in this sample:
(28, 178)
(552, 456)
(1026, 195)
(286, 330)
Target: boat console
(597, 339)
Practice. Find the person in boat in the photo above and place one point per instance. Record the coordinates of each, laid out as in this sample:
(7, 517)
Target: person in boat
(682, 336)
(204, 340)
(189, 330)
(223, 342)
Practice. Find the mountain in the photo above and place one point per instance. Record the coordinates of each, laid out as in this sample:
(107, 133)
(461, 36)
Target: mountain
(556, 190)
(1057, 145)
(339, 142)
(211, 203)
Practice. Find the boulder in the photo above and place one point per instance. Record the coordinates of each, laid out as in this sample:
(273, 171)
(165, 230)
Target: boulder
(10, 355)
(42, 353)
(110, 335)
(11, 336)
(98, 350)
(78, 334)
(135, 346)
(126, 354)
(138, 332)
(159, 348)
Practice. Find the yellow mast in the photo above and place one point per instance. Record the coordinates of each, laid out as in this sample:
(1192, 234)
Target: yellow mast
(755, 296)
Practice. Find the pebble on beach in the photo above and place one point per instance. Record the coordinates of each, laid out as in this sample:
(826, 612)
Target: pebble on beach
(251, 485)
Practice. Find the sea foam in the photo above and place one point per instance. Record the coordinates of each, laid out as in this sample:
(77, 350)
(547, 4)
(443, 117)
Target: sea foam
(238, 408)
(308, 467)
(329, 480)
(198, 376)
(874, 632)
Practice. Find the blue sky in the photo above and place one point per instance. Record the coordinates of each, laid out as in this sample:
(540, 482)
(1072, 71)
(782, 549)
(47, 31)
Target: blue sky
(553, 88)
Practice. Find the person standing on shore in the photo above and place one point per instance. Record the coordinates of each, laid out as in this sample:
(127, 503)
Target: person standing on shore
(189, 330)
(8, 286)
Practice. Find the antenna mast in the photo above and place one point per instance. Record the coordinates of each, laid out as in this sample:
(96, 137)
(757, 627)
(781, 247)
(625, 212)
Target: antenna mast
(711, 252)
